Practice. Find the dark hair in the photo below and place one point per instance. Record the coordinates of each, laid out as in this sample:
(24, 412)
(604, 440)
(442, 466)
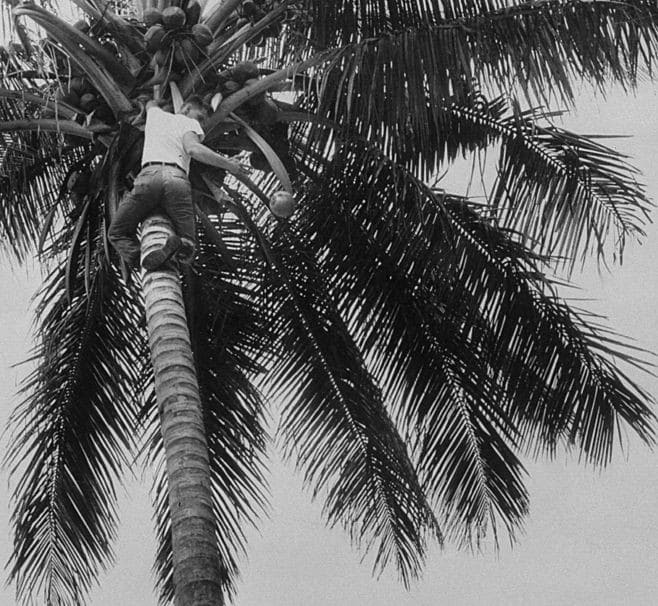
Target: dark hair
(197, 101)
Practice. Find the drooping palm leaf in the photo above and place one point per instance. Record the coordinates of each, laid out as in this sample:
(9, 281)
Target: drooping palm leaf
(73, 437)
(568, 194)
(475, 352)
(541, 48)
(334, 424)
(96, 71)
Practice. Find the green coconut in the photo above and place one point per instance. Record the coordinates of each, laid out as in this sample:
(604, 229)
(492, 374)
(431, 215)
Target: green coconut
(192, 13)
(88, 102)
(152, 16)
(153, 37)
(79, 85)
(230, 87)
(104, 113)
(202, 34)
(266, 112)
(78, 182)
(173, 17)
(82, 26)
(273, 30)
(249, 7)
(244, 71)
(258, 14)
(189, 48)
(70, 97)
(211, 79)
(259, 41)
(258, 160)
(282, 204)
(186, 53)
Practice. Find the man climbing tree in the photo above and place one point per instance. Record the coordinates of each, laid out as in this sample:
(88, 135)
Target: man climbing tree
(170, 141)
(412, 339)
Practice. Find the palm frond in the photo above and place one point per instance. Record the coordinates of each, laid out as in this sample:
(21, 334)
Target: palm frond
(476, 354)
(101, 73)
(568, 194)
(403, 79)
(73, 435)
(540, 48)
(334, 423)
(35, 160)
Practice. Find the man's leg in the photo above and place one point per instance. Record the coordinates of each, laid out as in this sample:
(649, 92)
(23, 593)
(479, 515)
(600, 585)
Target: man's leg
(135, 206)
(178, 206)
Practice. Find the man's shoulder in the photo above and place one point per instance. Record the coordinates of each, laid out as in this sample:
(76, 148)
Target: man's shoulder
(191, 125)
(155, 113)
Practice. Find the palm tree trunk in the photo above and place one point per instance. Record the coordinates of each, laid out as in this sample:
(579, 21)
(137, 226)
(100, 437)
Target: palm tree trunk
(195, 553)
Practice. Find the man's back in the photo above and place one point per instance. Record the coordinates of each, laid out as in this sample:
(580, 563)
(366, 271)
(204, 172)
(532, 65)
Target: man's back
(163, 137)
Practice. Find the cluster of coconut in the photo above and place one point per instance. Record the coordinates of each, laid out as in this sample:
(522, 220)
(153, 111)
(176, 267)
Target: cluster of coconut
(252, 11)
(79, 93)
(259, 108)
(176, 43)
(175, 38)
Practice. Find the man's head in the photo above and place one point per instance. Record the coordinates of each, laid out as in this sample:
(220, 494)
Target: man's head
(195, 108)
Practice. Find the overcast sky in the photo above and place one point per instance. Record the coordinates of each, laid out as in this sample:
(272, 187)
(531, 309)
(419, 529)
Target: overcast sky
(591, 536)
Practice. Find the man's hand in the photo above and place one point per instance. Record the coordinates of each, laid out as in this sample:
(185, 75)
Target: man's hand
(239, 169)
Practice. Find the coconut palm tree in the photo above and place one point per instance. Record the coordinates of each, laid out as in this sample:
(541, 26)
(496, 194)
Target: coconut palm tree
(413, 340)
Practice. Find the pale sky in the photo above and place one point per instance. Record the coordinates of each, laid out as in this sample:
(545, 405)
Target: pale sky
(591, 536)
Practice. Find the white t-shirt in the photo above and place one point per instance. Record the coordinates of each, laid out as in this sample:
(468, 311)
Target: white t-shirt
(163, 137)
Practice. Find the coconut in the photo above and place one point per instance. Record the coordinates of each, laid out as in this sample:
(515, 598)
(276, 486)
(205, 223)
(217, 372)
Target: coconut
(266, 111)
(181, 60)
(152, 16)
(189, 49)
(259, 41)
(192, 13)
(258, 14)
(282, 204)
(78, 85)
(154, 36)
(71, 98)
(259, 161)
(231, 86)
(104, 113)
(63, 95)
(78, 182)
(173, 17)
(249, 7)
(273, 30)
(82, 26)
(211, 79)
(88, 102)
(202, 34)
(244, 70)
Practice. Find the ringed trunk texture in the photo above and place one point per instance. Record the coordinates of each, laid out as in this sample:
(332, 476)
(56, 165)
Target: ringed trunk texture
(195, 554)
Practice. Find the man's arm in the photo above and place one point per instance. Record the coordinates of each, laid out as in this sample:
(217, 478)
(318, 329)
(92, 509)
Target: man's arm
(201, 153)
